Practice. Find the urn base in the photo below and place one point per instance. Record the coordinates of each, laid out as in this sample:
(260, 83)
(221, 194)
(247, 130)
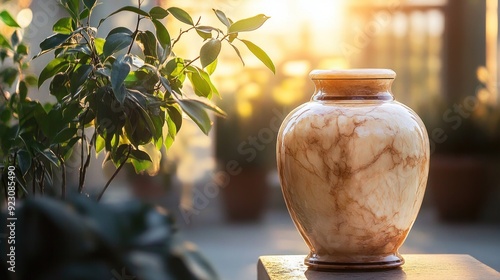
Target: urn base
(313, 261)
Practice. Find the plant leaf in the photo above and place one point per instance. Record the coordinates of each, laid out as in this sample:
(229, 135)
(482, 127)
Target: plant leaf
(52, 42)
(148, 44)
(166, 84)
(222, 17)
(140, 155)
(65, 135)
(71, 111)
(116, 42)
(158, 13)
(140, 165)
(248, 24)
(162, 34)
(128, 9)
(200, 86)
(99, 144)
(63, 26)
(99, 45)
(84, 14)
(121, 29)
(210, 106)
(206, 77)
(22, 49)
(24, 161)
(73, 8)
(238, 53)
(9, 76)
(205, 32)
(31, 80)
(16, 38)
(120, 152)
(89, 4)
(80, 76)
(52, 68)
(8, 19)
(169, 132)
(260, 54)
(175, 114)
(209, 52)
(58, 86)
(23, 90)
(4, 42)
(181, 15)
(119, 73)
(50, 156)
(211, 67)
(196, 111)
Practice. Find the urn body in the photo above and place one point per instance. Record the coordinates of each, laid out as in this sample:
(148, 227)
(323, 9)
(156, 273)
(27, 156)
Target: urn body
(353, 166)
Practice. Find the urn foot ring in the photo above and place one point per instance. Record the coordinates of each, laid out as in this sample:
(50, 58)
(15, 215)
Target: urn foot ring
(393, 261)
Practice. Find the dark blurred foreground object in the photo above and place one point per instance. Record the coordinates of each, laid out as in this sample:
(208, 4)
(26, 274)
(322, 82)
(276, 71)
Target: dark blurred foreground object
(79, 239)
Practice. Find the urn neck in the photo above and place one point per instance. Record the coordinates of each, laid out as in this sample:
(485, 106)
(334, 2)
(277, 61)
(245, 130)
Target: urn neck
(353, 84)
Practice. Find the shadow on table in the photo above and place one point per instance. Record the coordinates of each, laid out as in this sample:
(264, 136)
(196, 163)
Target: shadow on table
(386, 274)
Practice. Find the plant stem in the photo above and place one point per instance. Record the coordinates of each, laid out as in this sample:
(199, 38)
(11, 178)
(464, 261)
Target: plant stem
(189, 63)
(81, 181)
(89, 152)
(63, 176)
(82, 173)
(134, 35)
(180, 35)
(34, 182)
(116, 173)
(4, 95)
(42, 181)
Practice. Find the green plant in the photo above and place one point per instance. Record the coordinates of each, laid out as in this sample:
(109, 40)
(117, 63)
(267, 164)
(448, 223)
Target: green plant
(82, 239)
(109, 99)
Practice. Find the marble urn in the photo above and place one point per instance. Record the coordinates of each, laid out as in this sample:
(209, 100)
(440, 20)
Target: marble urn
(353, 166)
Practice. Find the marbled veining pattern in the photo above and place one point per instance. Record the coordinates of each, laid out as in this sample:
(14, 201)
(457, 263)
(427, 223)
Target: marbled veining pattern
(353, 174)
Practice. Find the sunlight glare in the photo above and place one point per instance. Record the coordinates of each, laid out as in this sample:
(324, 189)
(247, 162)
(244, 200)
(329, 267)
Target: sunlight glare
(24, 17)
(320, 13)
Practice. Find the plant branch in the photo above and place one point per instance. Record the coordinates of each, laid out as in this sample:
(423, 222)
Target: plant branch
(4, 94)
(89, 154)
(134, 35)
(116, 173)
(42, 181)
(189, 63)
(180, 35)
(82, 156)
(82, 179)
(91, 43)
(63, 176)
(33, 179)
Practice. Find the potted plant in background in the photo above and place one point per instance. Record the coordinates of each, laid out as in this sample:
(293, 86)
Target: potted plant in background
(249, 154)
(466, 137)
(110, 99)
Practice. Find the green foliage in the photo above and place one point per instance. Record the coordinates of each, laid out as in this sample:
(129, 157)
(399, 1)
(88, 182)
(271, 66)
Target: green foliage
(109, 99)
(8, 19)
(80, 239)
(248, 24)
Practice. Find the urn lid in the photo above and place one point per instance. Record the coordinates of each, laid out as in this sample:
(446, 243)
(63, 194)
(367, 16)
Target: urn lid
(352, 74)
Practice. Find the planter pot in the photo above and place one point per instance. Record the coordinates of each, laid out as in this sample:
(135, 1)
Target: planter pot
(353, 166)
(459, 186)
(245, 196)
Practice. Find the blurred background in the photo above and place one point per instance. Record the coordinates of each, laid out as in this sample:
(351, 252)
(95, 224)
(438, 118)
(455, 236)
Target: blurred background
(445, 54)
